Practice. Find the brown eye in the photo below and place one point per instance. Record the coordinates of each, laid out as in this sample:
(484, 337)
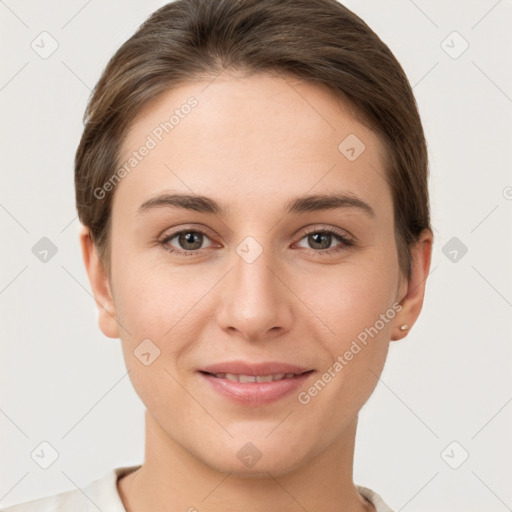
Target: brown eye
(187, 241)
(190, 240)
(320, 240)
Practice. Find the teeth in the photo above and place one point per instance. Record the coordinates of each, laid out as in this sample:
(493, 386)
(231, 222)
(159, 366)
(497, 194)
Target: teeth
(246, 378)
(264, 378)
(254, 378)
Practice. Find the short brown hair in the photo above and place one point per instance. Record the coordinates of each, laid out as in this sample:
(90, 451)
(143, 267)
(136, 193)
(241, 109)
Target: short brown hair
(320, 41)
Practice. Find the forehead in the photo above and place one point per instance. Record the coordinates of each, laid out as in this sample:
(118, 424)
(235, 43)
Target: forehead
(256, 139)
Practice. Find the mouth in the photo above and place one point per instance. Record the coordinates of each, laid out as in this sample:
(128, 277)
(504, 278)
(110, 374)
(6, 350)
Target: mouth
(235, 377)
(255, 390)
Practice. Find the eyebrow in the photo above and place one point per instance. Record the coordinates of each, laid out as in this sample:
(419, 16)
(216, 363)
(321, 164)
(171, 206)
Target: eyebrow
(297, 205)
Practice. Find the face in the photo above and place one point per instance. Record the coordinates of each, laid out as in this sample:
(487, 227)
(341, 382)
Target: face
(256, 271)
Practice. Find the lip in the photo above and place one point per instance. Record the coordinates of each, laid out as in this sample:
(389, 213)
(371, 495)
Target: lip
(261, 369)
(255, 393)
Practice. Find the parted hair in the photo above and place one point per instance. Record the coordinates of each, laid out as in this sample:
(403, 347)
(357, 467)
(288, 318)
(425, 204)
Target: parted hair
(319, 41)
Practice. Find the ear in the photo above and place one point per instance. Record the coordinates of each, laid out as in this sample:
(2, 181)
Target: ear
(413, 291)
(100, 285)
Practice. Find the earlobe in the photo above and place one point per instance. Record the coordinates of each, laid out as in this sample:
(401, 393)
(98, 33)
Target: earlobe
(412, 301)
(100, 285)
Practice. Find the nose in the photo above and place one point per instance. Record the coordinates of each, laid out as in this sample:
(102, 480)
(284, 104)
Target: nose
(256, 301)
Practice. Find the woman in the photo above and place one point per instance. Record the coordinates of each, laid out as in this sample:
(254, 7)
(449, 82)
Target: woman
(252, 184)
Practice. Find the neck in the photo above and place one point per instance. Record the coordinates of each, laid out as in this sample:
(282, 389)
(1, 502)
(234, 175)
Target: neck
(173, 479)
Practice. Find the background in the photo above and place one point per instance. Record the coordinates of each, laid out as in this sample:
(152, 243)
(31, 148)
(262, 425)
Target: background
(436, 433)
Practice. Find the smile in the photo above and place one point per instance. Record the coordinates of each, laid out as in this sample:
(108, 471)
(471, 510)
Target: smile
(255, 390)
(254, 378)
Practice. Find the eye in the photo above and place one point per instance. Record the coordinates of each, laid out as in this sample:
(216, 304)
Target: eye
(321, 239)
(188, 241)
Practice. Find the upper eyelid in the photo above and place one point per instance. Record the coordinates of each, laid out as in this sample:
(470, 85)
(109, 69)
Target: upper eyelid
(308, 229)
(172, 233)
(343, 237)
(337, 232)
(330, 229)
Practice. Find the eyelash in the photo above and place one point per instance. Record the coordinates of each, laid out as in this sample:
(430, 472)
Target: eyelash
(346, 243)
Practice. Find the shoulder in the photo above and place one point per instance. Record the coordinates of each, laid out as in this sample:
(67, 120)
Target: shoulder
(374, 498)
(101, 494)
(70, 500)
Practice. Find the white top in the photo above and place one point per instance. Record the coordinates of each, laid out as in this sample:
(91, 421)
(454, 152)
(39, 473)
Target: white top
(102, 495)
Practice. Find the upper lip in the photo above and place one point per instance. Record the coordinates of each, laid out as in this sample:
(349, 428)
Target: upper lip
(262, 369)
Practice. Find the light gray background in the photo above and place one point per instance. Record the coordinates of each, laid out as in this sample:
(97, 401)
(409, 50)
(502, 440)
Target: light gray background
(63, 382)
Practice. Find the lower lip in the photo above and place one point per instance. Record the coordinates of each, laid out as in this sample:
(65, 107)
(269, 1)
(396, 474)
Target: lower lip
(256, 393)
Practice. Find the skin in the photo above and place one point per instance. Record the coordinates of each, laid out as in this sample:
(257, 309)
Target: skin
(251, 144)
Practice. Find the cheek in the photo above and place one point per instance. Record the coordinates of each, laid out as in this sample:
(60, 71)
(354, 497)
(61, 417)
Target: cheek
(356, 305)
(151, 298)
(353, 297)
(149, 306)
(156, 307)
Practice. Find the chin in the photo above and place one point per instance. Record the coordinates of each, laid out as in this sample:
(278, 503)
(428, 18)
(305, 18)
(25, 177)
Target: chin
(256, 459)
